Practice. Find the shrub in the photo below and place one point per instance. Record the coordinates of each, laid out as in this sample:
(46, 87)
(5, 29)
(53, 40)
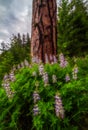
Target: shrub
(33, 103)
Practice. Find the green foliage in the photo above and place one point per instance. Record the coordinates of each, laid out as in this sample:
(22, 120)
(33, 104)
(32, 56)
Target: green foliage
(17, 113)
(18, 51)
(73, 27)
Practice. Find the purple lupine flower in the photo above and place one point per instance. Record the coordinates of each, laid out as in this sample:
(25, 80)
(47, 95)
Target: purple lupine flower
(36, 110)
(63, 61)
(12, 77)
(75, 76)
(51, 57)
(26, 63)
(35, 59)
(6, 77)
(54, 59)
(45, 78)
(76, 69)
(36, 96)
(7, 88)
(59, 110)
(54, 78)
(41, 69)
(67, 78)
(75, 72)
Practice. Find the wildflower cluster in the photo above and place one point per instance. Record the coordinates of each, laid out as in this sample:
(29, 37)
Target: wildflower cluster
(75, 72)
(43, 74)
(59, 110)
(41, 69)
(36, 98)
(63, 61)
(23, 64)
(52, 59)
(6, 84)
(36, 59)
(45, 78)
(12, 77)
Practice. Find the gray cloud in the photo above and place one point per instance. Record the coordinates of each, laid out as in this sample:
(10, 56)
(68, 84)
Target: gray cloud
(15, 16)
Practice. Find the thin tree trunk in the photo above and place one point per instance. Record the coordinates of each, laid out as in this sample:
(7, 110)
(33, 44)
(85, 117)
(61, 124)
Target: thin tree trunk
(44, 36)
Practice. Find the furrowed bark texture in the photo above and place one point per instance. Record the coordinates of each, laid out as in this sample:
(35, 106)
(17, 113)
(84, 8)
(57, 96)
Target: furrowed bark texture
(44, 36)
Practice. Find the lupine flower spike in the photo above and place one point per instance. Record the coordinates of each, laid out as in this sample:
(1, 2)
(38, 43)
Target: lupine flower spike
(41, 69)
(12, 77)
(45, 78)
(54, 78)
(75, 72)
(63, 61)
(9, 93)
(59, 110)
(36, 97)
(54, 59)
(36, 110)
(67, 78)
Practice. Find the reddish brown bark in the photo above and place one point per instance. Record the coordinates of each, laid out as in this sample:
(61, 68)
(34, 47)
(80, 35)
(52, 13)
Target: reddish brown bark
(43, 39)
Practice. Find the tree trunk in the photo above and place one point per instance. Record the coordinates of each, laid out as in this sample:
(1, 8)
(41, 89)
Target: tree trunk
(44, 35)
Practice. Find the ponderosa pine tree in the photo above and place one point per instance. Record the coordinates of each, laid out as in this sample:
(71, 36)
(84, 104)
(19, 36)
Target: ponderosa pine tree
(43, 39)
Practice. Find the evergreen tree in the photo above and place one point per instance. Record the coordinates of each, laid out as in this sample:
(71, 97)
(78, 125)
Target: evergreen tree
(63, 21)
(73, 27)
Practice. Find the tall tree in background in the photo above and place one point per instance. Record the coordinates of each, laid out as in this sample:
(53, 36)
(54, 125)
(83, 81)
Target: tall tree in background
(14, 53)
(43, 39)
(73, 27)
(63, 23)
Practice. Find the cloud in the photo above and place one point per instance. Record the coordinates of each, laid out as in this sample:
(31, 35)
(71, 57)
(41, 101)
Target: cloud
(15, 16)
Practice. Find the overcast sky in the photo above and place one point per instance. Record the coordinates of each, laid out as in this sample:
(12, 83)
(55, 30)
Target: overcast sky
(15, 16)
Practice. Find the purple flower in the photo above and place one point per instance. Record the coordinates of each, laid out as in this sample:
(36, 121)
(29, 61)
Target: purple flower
(54, 78)
(36, 96)
(6, 77)
(67, 78)
(45, 78)
(63, 61)
(59, 110)
(75, 72)
(54, 59)
(7, 88)
(12, 77)
(41, 69)
(36, 110)
(51, 57)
